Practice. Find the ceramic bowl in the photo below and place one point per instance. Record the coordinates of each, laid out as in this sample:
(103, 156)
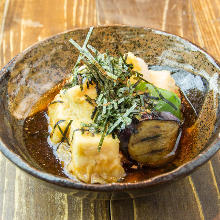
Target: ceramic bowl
(39, 68)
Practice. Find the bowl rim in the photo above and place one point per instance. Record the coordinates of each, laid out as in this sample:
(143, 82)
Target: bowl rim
(167, 177)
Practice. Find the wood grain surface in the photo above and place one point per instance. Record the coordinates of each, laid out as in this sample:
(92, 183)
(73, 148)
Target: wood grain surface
(24, 22)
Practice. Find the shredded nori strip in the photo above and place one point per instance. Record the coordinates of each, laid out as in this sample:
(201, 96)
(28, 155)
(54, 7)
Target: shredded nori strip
(93, 113)
(165, 100)
(57, 101)
(57, 123)
(103, 135)
(90, 100)
(117, 102)
(147, 96)
(65, 132)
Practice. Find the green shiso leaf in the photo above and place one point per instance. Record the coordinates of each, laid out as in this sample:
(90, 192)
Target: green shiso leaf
(160, 104)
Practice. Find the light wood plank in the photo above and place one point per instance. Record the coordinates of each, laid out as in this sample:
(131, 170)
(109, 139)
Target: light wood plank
(4, 10)
(2, 182)
(96, 210)
(196, 198)
(24, 22)
(208, 25)
(122, 209)
(206, 191)
(142, 13)
(9, 189)
(37, 201)
(173, 202)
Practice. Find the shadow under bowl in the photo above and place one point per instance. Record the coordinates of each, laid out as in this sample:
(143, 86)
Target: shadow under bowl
(42, 66)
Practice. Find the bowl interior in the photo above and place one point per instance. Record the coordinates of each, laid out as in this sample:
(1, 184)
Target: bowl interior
(41, 67)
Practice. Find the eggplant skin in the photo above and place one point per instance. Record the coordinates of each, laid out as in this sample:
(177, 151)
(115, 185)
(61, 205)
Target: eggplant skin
(154, 142)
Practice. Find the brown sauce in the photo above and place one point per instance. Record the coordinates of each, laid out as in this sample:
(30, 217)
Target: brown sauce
(36, 140)
(35, 137)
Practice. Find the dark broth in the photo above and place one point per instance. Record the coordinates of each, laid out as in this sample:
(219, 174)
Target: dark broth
(36, 140)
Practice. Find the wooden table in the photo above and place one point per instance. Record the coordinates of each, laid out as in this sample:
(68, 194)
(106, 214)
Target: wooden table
(24, 22)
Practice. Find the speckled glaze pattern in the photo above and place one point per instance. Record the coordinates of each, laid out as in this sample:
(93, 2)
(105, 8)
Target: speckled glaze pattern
(42, 66)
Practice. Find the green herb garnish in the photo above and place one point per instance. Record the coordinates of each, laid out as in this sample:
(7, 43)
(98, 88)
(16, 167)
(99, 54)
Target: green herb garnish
(118, 101)
(165, 101)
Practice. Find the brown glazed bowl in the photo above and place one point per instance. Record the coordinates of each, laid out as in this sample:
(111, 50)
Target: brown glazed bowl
(39, 68)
